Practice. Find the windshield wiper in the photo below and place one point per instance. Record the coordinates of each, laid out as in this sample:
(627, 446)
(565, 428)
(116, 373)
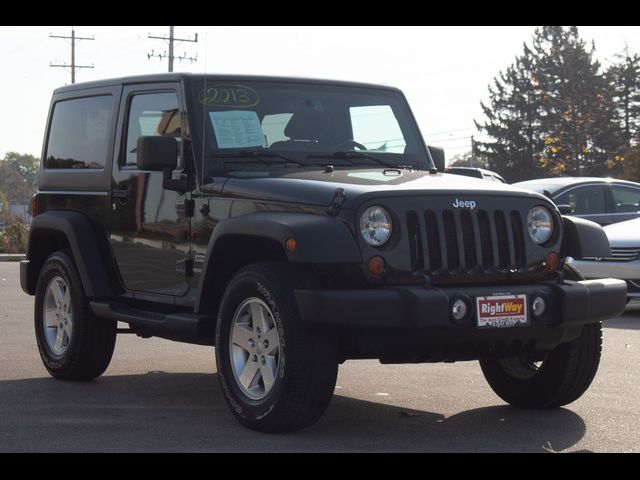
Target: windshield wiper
(352, 155)
(247, 154)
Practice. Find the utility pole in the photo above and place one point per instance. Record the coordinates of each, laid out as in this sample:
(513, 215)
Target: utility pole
(473, 151)
(73, 65)
(172, 41)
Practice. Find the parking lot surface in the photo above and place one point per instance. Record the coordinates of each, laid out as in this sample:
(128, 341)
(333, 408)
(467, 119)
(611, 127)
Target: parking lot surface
(159, 395)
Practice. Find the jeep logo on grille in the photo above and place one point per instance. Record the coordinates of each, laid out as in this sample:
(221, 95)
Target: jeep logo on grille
(470, 204)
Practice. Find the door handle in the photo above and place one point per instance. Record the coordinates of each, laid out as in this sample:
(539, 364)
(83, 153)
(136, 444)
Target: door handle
(121, 194)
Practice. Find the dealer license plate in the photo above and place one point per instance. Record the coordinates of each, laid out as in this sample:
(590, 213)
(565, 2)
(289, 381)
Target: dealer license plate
(502, 311)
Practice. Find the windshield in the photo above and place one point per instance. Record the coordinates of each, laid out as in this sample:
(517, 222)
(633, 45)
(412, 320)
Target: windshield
(265, 123)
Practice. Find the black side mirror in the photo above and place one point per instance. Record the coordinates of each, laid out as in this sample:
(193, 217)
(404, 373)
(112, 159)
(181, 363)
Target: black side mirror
(157, 153)
(565, 209)
(437, 155)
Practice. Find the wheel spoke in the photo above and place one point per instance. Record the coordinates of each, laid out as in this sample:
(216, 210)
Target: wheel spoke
(59, 338)
(273, 339)
(259, 317)
(66, 301)
(58, 294)
(51, 321)
(248, 374)
(268, 371)
(68, 325)
(241, 336)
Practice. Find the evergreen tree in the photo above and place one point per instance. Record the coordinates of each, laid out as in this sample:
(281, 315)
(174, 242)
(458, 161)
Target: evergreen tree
(513, 121)
(623, 79)
(577, 108)
(553, 112)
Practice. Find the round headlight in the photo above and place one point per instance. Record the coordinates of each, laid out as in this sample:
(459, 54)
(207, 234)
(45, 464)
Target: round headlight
(539, 224)
(375, 226)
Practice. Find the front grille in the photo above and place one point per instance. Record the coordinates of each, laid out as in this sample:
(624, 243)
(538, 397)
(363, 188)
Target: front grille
(625, 253)
(454, 242)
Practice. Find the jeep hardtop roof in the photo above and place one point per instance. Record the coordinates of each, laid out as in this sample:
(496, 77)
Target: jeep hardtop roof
(173, 77)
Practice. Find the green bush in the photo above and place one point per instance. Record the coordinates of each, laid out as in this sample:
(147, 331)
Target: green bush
(14, 237)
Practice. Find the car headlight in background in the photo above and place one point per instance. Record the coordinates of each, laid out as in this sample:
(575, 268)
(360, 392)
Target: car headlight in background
(375, 225)
(539, 224)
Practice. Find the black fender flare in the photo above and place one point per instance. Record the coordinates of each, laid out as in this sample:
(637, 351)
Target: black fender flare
(319, 239)
(89, 248)
(584, 239)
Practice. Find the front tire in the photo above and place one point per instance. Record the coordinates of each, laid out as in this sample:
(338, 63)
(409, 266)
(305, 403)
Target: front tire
(73, 344)
(559, 377)
(554, 379)
(277, 374)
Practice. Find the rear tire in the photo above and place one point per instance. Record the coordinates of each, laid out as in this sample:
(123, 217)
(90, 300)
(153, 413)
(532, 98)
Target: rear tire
(283, 385)
(73, 344)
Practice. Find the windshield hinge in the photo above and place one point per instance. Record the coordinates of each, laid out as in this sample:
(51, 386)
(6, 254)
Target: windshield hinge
(188, 268)
(336, 202)
(189, 207)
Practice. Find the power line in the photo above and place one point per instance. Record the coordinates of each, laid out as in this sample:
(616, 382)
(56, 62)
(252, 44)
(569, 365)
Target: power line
(172, 40)
(451, 139)
(449, 131)
(73, 65)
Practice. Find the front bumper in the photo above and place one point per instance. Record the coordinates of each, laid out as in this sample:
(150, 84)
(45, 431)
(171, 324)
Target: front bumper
(414, 324)
(570, 304)
(625, 270)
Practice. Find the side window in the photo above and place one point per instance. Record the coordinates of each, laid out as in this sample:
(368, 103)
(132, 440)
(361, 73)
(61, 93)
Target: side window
(376, 127)
(79, 133)
(626, 199)
(584, 200)
(151, 114)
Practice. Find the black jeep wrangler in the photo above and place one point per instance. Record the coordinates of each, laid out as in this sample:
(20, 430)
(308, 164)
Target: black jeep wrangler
(295, 224)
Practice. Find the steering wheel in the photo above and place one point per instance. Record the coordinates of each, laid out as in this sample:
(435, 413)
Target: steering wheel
(348, 143)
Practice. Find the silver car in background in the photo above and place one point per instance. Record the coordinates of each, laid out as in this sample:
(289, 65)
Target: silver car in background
(624, 238)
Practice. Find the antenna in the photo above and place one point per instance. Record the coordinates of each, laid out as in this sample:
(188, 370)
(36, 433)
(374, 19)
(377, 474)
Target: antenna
(204, 109)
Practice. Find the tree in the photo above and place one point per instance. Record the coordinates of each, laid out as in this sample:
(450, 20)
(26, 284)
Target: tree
(577, 108)
(5, 207)
(18, 176)
(623, 80)
(513, 121)
(552, 112)
(632, 164)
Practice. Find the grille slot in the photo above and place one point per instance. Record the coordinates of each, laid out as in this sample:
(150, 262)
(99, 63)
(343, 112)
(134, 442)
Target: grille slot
(518, 237)
(503, 239)
(484, 225)
(433, 241)
(451, 241)
(468, 240)
(415, 241)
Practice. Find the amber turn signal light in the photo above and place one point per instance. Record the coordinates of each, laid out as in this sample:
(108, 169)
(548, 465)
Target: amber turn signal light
(291, 245)
(377, 265)
(552, 261)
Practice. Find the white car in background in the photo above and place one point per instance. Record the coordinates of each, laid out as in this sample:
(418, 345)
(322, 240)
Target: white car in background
(624, 263)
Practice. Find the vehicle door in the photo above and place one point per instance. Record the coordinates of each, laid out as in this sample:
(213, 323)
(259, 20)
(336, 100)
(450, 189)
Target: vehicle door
(586, 201)
(149, 229)
(625, 202)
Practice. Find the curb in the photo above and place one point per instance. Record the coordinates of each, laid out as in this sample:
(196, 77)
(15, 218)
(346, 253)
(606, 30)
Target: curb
(12, 257)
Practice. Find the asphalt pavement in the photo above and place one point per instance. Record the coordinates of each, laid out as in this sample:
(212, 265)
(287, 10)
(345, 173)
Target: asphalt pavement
(162, 396)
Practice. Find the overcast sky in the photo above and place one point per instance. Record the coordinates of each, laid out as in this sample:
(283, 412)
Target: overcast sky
(444, 71)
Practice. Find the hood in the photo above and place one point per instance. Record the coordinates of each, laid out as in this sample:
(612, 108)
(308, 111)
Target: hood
(624, 234)
(315, 187)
